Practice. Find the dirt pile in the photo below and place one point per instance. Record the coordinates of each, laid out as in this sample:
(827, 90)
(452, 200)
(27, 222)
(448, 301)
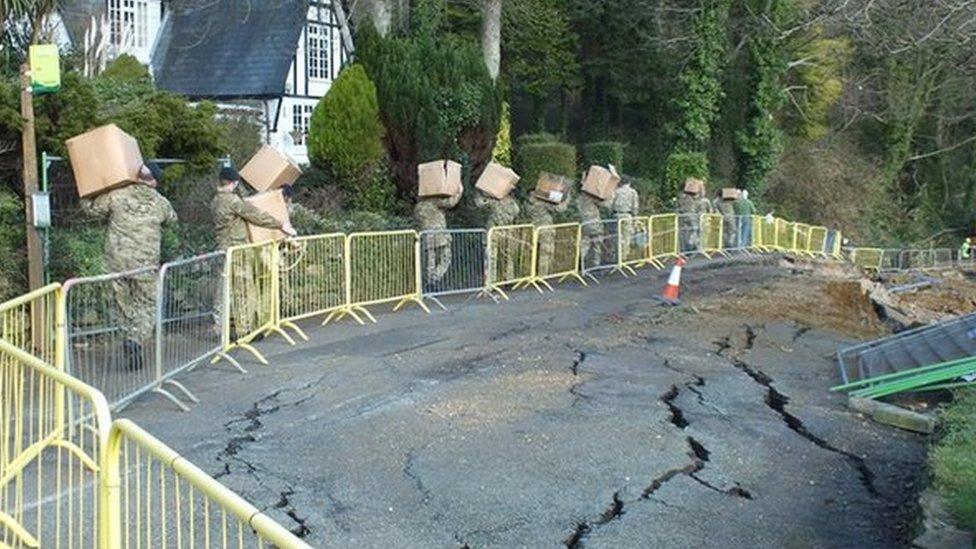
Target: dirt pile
(949, 293)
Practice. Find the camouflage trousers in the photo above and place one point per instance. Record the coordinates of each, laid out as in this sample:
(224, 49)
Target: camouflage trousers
(730, 232)
(438, 259)
(547, 247)
(135, 301)
(250, 295)
(592, 244)
(690, 233)
(501, 260)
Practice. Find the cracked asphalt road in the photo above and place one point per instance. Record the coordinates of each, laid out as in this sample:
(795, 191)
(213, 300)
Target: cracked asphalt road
(581, 418)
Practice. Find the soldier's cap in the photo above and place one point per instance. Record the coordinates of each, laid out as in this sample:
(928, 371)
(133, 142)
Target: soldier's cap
(155, 171)
(288, 191)
(229, 174)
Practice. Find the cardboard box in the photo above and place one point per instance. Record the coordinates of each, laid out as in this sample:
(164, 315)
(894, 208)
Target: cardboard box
(730, 194)
(270, 169)
(497, 181)
(440, 178)
(103, 159)
(272, 202)
(694, 186)
(601, 182)
(552, 188)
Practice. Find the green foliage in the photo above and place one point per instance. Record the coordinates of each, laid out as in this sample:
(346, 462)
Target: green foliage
(435, 97)
(603, 153)
(679, 167)
(71, 111)
(553, 157)
(953, 459)
(346, 133)
(166, 126)
(699, 82)
(80, 251)
(533, 138)
(822, 79)
(241, 132)
(124, 80)
(502, 152)
(13, 271)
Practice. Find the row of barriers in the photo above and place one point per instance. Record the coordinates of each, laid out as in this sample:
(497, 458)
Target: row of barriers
(883, 260)
(70, 355)
(70, 476)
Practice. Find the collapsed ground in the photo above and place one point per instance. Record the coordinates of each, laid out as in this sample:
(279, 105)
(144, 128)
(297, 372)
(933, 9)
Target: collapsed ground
(586, 417)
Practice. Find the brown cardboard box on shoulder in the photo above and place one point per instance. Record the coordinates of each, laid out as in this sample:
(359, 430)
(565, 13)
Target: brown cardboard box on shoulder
(730, 194)
(552, 188)
(438, 179)
(601, 182)
(497, 181)
(270, 169)
(272, 202)
(103, 159)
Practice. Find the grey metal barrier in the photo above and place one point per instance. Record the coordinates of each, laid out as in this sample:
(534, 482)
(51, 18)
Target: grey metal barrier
(941, 342)
(689, 234)
(466, 272)
(188, 320)
(599, 247)
(110, 332)
(737, 233)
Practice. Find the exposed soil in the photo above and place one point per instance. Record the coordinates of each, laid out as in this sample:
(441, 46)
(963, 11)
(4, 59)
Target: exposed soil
(952, 293)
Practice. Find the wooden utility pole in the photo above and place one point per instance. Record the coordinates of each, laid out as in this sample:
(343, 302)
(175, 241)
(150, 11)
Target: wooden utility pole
(35, 267)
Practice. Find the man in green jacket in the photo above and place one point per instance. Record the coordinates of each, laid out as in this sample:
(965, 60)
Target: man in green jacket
(744, 210)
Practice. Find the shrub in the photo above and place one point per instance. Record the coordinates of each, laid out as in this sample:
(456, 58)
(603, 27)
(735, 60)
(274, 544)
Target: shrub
(13, 280)
(680, 166)
(555, 157)
(124, 80)
(345, 131)
(503, 142)
(952, 459)
(602, 153)
(241, 132)
(80, 251)
(533, 138)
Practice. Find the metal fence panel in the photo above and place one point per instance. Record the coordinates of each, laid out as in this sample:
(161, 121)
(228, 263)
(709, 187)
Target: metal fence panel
(30, 323)
(52, 432)
(512, 252)
(932, 344)
(664, 242)
(251, 291)
(312, 274)
(466, 272)
(711, 234)
(770, 233)
(689, 232)
(817, 243)
(558, 253)
(599, 248)
(633, 242)
(867, 258)
(384, 267)
(111, 332)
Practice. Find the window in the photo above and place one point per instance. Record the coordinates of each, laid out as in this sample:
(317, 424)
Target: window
(300, 115)
(317, 51)
(129, 22)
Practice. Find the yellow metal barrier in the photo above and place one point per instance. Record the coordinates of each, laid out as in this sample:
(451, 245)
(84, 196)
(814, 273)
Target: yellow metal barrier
(312, 274)
(817, 242)
(251, 295)
(156, 498)
(383, 267)
(757, 242)
(632, 243)
(867, 258)
(33, 323)
(512, 253)
(711, 234)
(801, 239)
(663, 242)
(558, 254)
(770, 234)
(53, 429)
(837, 250)
(784, 235)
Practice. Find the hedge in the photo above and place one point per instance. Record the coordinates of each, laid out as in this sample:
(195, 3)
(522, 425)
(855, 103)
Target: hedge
(680, 166)
(555, 157)
(602, 153)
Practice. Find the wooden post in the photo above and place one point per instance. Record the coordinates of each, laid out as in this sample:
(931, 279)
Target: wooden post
(35, 267)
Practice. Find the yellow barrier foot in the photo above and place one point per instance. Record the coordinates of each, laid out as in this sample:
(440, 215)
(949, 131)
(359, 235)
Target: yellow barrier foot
(297, 330)
(250, 348)
(500, 292)
(228, 358)
(542, 282)
(437, 302)
(591, 277)
(630, 270)
(276, 330)
(412, 299)
(579, 278)
(620, 269)
(18, 531)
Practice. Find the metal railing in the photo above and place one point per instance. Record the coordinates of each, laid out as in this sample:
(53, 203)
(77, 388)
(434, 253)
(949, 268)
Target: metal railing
(385, 267)
(599, 247)
(312, 271)
(557, 254)
(468, 266)
(633, 243)
(711, 234)
(514, 250)
(663, 243)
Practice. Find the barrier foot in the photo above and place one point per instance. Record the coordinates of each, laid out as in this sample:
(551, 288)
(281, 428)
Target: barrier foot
(276, 330)
(169, 396)
(575, 276)
(249, 348)
(437, 302)
(539, 282)
(413, 299)
(338, 314)
(228, 358)
(591, 277)
(289, 324)
(659, 265)
(189, 395)
(499, 291)
(620, 269)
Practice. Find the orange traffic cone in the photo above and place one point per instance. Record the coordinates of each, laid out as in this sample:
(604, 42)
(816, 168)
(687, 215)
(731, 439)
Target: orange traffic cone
(672, 290)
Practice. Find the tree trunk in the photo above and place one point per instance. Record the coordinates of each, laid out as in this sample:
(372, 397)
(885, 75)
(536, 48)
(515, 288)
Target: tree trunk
(491, 36)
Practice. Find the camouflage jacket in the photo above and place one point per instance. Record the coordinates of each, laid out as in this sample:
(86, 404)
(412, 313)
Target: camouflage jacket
(589, 207)
(540, 211)
(687, 204)
(500, 212)
(725, 207)
(231, 215)
(626, 200)
(430, 216)
(135, 214)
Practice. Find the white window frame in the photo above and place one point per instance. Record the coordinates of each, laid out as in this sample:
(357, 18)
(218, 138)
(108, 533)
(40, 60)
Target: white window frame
(301, 117)
(129, 23)
(318, 49)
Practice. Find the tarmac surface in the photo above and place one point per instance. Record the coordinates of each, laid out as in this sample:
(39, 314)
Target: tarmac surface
(582, 418)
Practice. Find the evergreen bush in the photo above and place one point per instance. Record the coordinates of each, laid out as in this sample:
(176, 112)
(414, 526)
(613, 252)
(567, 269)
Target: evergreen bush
(603, 153)
(345, 132)
(554, 157)
(680, 166)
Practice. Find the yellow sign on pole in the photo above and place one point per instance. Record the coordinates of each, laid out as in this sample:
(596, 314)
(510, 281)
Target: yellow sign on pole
(45, 69)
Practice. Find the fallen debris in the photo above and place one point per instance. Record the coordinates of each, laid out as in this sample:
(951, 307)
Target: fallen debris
(896, 416)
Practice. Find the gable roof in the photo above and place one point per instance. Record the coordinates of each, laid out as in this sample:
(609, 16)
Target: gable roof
(230, 49)
(77, 15)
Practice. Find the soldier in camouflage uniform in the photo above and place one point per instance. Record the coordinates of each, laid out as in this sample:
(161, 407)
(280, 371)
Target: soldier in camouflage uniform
(430, 216)
(540, 213)
(593, 231)
(690, 206)
(726, 207)
(135, 214)
(626, 206)
(500, 213)
(231, 214)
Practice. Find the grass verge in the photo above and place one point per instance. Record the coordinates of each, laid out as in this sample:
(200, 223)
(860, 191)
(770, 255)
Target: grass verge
(953, 458)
